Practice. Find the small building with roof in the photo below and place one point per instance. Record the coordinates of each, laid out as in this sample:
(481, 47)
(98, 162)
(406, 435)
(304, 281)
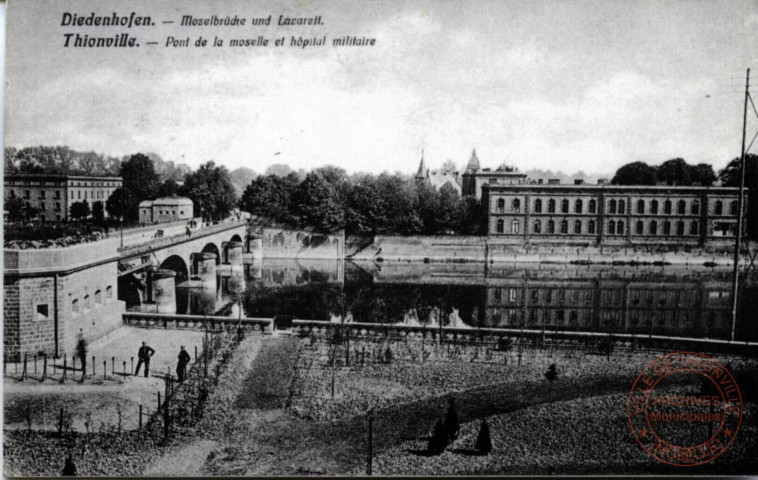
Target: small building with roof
(166, 209)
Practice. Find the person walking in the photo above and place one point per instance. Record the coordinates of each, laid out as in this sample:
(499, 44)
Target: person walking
(144, 355)
(181, 366)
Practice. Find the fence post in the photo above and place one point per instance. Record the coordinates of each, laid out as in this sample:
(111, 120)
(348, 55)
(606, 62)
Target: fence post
(35, 364)
(44, 369)
(93, 366)
(140, 416)
(132, 370)
(65, 366)
(105, 369)
(113, 365)
(159, 401)
(23, 373)
(195, 353)
(124, 368)
(60, 422)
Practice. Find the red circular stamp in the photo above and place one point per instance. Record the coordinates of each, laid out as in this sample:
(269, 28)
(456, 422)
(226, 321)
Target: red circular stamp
(685, 409)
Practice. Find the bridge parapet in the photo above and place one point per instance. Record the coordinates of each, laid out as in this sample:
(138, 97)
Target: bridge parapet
(147, 246)
(196, 322)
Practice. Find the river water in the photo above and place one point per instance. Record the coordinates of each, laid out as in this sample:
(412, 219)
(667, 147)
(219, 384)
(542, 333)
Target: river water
(671, 300)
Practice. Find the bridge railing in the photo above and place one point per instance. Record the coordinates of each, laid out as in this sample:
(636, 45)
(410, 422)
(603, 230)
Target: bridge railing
(359, 330)
(138, 248)
(196, 322)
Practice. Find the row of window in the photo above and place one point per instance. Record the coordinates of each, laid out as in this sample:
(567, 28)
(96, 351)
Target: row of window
(95, 194)
(608, 297)
(87, 301)
(619, 206)
(636, 318)
(615, 227)
(28, 194)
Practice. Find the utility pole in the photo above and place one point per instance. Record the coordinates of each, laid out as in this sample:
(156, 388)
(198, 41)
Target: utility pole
(740, 206)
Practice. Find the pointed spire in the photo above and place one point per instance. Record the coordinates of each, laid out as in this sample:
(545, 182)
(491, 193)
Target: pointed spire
(422, 172)
(473, 163)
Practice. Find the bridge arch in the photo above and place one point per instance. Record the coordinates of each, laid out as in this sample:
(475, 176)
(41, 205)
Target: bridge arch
(236, 238)
(212, 248)
(178, 265)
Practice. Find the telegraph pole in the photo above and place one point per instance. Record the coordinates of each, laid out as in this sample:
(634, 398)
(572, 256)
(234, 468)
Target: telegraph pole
(740, 206)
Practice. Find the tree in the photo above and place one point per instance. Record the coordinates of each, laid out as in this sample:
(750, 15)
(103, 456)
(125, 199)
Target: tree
(636, 173)
(452, 423)
(241, 178)
(14, 208)
(730, 177)
(279, 169)
(703, 174)
(675, 172)
(168, 188)
(270, 196)
(79, 210)
(119, 204)
(211, 190)
(141, 181)
(484, 440)
(450, 209)
(315, 202)
(439, 440)
(98, 212)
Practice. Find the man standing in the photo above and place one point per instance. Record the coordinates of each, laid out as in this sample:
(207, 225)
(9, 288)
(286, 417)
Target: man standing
(181, 366)
(144, 355)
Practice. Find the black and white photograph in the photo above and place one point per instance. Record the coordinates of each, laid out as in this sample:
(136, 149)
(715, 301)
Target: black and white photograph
(380, 238)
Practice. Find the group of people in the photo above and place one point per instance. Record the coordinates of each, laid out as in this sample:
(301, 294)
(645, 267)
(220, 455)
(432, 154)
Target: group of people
(146, 352)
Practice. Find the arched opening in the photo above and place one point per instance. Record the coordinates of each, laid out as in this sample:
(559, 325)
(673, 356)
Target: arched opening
(236, 238)
(178, 265)
(212, 248)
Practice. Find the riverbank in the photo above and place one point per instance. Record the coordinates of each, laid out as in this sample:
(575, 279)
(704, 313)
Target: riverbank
(464, 249)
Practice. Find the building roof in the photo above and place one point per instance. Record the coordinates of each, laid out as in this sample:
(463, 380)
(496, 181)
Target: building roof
(422, 171)
(473, 163)
(58, 176)
(145, 203)
(172, 200)
(438, 179)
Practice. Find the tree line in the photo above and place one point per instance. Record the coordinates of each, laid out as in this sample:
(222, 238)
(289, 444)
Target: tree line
(329, 200)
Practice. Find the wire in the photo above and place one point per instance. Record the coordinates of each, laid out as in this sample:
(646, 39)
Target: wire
(751, 141)
(751, 103)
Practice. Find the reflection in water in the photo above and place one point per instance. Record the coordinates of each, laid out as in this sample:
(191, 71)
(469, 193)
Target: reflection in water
(641, 300)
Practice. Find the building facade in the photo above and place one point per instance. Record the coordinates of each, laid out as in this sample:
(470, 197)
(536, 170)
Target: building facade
(611, 214)
(475, 177)
(166, 209)
(52, 195)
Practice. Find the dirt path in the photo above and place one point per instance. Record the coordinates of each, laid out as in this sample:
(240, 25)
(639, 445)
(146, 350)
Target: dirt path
(186, 461)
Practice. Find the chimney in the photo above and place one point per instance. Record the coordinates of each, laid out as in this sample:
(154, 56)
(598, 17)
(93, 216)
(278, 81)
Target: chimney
(602, 181)
(578, 181)
(553, 181)
(539, 182)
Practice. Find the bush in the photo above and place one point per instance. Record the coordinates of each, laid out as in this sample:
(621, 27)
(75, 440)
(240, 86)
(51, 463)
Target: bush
(439, 441)
(452, 423)
(484, 440)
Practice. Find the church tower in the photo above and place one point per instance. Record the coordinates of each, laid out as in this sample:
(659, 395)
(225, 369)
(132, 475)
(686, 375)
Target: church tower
(469, 176)
(423, 172)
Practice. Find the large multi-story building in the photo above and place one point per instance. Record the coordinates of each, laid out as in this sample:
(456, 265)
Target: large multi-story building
(611, 214)
(53, 194)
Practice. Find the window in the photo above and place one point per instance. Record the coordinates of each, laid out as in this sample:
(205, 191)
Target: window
(591, 227)
(41, 205)
(612, 227)
(13, 194)
(718, 209)
(622, 206)
(578, 227)
(620, 227)
(98, 298)
(695, 207)
(512, 295)
(654, 207)
(57, 206)
(640, 227)
(564, 226)
(497, 295)
(612, 207)
(667, 228)
(538, 206)
(500, 226)
(694, 230)
(75, 306)
(493, 180)
(537, 226)
(578, 206)
(42, 194)
(500, 205)
(514, 226)
(42, 311)
(79, 194)
(516, 205)
(181, 212)
(681, 207)
(27, 194)
(640, 206)
(550, 226)
(653, 228)
(734, 207)
(85, 195)
(564, 206)
(551, 206)
(86, 302)
(593, 206)
(72, 194)
(680, 228)
(667, 207)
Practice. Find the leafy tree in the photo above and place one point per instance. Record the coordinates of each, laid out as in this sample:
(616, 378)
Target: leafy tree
(98, 212)
(241, 178)
(449, 166)
(363, 207)
(730, 177)
(79, 210)
(315, 202)
(141, 181)
(450, 210)
(439, 440)
(675, 172)
(168, 188)
(270, 196)
(471, 217)
(484, 439)
(703, 174)
(452, 423)
(14, 208)
(279, 169)
(211, 190)
(636, 173)
(119, 204)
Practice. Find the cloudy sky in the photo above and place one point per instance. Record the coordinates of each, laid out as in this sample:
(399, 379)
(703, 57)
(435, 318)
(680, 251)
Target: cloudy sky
(563, 85)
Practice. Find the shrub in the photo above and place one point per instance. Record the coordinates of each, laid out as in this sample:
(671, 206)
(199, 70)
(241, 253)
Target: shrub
(552, 373)
(484, 440)
(452, 423)
(439, 441)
